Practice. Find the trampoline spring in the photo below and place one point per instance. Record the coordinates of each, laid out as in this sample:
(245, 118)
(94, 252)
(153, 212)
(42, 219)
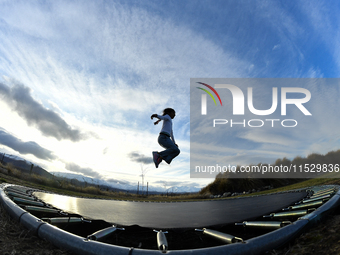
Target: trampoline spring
(305, 205)
(65, 220)
(15, 190)
(297, 213)
(226, 238)
(14, 194)
(264, 224)
(162, 242)
(89, 221)
(103, 233)
(323, 194)
(28, 202)
(324, 191)
(42, 209)
(315, 198)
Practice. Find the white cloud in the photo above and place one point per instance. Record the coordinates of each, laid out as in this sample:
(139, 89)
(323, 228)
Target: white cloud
(263, 136)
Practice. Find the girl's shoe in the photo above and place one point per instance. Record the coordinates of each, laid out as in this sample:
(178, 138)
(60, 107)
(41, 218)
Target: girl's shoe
(156, 158)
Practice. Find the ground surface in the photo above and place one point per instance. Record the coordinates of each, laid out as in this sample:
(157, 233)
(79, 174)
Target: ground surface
(323, 239)
(15, 240)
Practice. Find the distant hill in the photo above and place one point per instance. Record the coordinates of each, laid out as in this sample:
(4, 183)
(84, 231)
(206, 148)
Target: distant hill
(24, 165)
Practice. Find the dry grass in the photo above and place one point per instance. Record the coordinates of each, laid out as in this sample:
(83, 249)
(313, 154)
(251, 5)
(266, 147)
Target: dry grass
(322, 239)
(15, 239)
(13, 171)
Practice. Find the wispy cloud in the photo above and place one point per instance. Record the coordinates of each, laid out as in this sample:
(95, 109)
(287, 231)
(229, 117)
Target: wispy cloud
(118, 181)
(83, 170)
(140, 158)
(19, 98)
(23, 147)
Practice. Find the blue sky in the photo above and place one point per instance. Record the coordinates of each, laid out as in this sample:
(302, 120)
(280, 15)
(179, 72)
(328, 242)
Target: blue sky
(79, 80)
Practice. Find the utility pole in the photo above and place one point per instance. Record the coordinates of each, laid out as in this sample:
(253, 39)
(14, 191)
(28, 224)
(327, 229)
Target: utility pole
(2, 160)
(143, 171)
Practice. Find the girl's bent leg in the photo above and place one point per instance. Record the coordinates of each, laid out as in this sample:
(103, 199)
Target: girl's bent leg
(171, 151)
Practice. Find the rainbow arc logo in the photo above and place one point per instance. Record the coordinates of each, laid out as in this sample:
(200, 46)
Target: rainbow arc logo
(209, 93)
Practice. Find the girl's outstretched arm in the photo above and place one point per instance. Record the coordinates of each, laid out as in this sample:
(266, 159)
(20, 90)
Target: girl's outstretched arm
(155, 116)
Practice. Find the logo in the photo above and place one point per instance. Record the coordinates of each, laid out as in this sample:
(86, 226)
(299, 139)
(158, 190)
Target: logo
(238, 99)
(204, 97)
(293, 96)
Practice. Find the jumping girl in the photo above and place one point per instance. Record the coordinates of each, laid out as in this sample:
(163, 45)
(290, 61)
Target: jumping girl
(166, 138)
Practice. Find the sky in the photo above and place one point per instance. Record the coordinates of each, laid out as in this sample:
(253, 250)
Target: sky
(79, 80)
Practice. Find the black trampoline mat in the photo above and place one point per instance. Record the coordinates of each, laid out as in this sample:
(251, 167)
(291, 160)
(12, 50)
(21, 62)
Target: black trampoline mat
(174, 215)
